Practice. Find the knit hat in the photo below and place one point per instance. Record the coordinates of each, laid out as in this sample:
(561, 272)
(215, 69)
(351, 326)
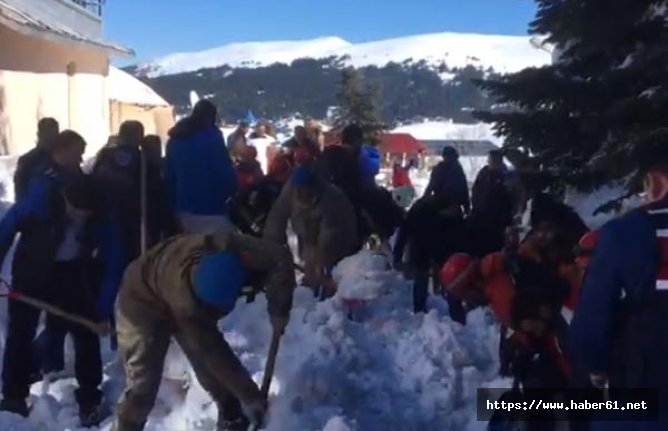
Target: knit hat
(218, 280)
(303, 176)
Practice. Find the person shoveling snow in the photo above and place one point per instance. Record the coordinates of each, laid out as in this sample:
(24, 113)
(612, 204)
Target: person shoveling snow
(180, 289)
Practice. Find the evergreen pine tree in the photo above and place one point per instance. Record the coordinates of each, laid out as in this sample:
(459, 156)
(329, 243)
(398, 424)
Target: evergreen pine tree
(359, 104)
(602, 106)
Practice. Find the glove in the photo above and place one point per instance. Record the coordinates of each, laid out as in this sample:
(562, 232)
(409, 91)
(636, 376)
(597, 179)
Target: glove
(278, 323)
(256, 413)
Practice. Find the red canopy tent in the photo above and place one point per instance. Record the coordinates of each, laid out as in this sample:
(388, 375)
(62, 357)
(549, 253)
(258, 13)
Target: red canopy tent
(401, 143)
(395, 144)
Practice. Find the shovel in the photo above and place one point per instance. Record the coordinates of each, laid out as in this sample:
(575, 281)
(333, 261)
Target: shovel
(99, 329)
(269, 370)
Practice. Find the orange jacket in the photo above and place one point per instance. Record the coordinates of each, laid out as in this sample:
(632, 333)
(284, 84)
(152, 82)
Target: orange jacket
(500, 293)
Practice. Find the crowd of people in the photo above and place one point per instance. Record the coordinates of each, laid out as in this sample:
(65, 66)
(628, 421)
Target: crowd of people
(157, 249)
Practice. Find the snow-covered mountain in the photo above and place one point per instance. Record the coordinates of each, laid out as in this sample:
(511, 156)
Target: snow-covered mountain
(502, 53)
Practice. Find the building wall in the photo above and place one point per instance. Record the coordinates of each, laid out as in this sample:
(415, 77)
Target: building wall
(39, 78)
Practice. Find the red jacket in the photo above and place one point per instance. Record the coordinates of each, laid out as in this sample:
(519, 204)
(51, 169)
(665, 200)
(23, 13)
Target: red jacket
(400, 177)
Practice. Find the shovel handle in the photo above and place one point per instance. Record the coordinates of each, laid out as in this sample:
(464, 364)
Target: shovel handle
(271, 363)
(52, 309)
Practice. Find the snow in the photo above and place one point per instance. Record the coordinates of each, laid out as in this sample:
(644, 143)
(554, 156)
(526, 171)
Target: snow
(456, 50)
(447, 129)
(123, 87)
(586, 204)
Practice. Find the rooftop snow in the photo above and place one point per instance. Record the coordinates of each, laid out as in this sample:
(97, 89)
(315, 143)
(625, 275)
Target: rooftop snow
(124, 87)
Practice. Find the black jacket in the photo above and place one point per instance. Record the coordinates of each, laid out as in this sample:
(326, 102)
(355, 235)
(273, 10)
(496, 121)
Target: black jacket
(29, 165)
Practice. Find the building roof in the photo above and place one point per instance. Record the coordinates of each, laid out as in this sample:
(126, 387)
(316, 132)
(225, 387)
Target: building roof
(123, 87)
(465, 147)
(392, 143)
(400, 143)
(32, 21)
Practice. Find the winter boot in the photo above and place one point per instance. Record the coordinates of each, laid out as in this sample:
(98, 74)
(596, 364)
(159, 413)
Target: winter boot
(18, 406)
(231, 416)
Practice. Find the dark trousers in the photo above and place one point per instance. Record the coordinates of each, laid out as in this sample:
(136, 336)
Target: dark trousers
(69, 293)
(49, 351)
(421, 293)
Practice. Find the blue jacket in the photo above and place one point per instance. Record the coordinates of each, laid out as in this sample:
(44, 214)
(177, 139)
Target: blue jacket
(199, 174)
(40, 218)
(624, 266)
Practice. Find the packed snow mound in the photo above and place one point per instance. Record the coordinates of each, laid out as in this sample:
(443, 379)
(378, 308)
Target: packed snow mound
(363, 276)
(456, 50)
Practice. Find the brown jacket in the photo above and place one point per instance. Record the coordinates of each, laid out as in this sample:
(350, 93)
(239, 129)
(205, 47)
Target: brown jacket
(327, 229)
(166, 273)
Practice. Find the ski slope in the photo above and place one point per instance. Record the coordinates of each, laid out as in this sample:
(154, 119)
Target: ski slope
(456, 50)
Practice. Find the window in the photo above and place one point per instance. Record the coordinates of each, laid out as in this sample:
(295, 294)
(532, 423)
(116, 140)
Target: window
(94, 6)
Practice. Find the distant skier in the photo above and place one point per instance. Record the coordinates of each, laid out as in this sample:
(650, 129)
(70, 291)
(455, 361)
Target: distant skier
(36, 160)
(619, 328)
(323, 219)
(199, 173)
(180, 289)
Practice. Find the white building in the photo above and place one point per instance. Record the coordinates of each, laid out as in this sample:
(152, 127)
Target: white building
(55, 63)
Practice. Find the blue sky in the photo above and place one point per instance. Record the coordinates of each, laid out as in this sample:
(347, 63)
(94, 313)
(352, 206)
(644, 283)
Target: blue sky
(158, 27)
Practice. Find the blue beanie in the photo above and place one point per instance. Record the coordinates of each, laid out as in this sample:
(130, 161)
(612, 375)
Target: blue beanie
(370, 161)
(302, 176)
(218, 280)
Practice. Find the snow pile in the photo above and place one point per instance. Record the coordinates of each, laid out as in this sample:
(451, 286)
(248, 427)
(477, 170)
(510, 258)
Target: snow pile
(363, 276)
(388, 369)
(502, 53)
